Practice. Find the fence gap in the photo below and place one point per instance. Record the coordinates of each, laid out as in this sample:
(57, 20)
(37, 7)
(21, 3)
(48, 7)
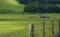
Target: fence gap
(31, 30)
(43, 28)
(52, 28)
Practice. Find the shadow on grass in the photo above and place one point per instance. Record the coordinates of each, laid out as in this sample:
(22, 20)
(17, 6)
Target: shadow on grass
(8, 19)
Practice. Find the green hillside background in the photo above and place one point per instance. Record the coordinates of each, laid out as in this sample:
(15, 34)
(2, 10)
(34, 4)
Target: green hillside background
(16, 24)
(13, 6)
(10, 6)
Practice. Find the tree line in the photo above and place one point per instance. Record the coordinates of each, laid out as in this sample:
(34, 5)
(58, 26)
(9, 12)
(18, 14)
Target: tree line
(41, 6)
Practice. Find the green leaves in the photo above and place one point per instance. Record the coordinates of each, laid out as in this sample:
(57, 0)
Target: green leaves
(41, 6)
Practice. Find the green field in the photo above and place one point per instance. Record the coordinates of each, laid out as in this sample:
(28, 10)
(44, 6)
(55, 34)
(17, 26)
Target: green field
(17, 25)
(11, 6)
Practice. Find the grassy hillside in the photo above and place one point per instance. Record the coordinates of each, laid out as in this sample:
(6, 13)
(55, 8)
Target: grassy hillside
(10, 6)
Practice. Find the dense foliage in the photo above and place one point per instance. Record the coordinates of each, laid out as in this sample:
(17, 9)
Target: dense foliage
(41, 6)
(26, 1)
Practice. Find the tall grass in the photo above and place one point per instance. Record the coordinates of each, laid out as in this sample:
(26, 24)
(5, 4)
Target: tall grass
(17, 25)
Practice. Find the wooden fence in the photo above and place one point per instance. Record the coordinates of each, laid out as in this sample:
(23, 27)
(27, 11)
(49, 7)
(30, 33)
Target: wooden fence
(31, 29)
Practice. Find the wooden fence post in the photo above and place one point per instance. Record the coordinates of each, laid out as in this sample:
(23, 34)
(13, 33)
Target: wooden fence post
(59, 25)
(31, 30)
(43, 28)
(59, 29)
(58, 33)
(52, 28)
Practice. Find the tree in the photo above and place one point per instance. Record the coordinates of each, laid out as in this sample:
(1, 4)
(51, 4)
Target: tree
(32, 7)
(41, 6)
(26, 1)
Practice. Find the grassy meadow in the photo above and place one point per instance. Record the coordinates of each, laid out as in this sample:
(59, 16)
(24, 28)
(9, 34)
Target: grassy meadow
(17, 25)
